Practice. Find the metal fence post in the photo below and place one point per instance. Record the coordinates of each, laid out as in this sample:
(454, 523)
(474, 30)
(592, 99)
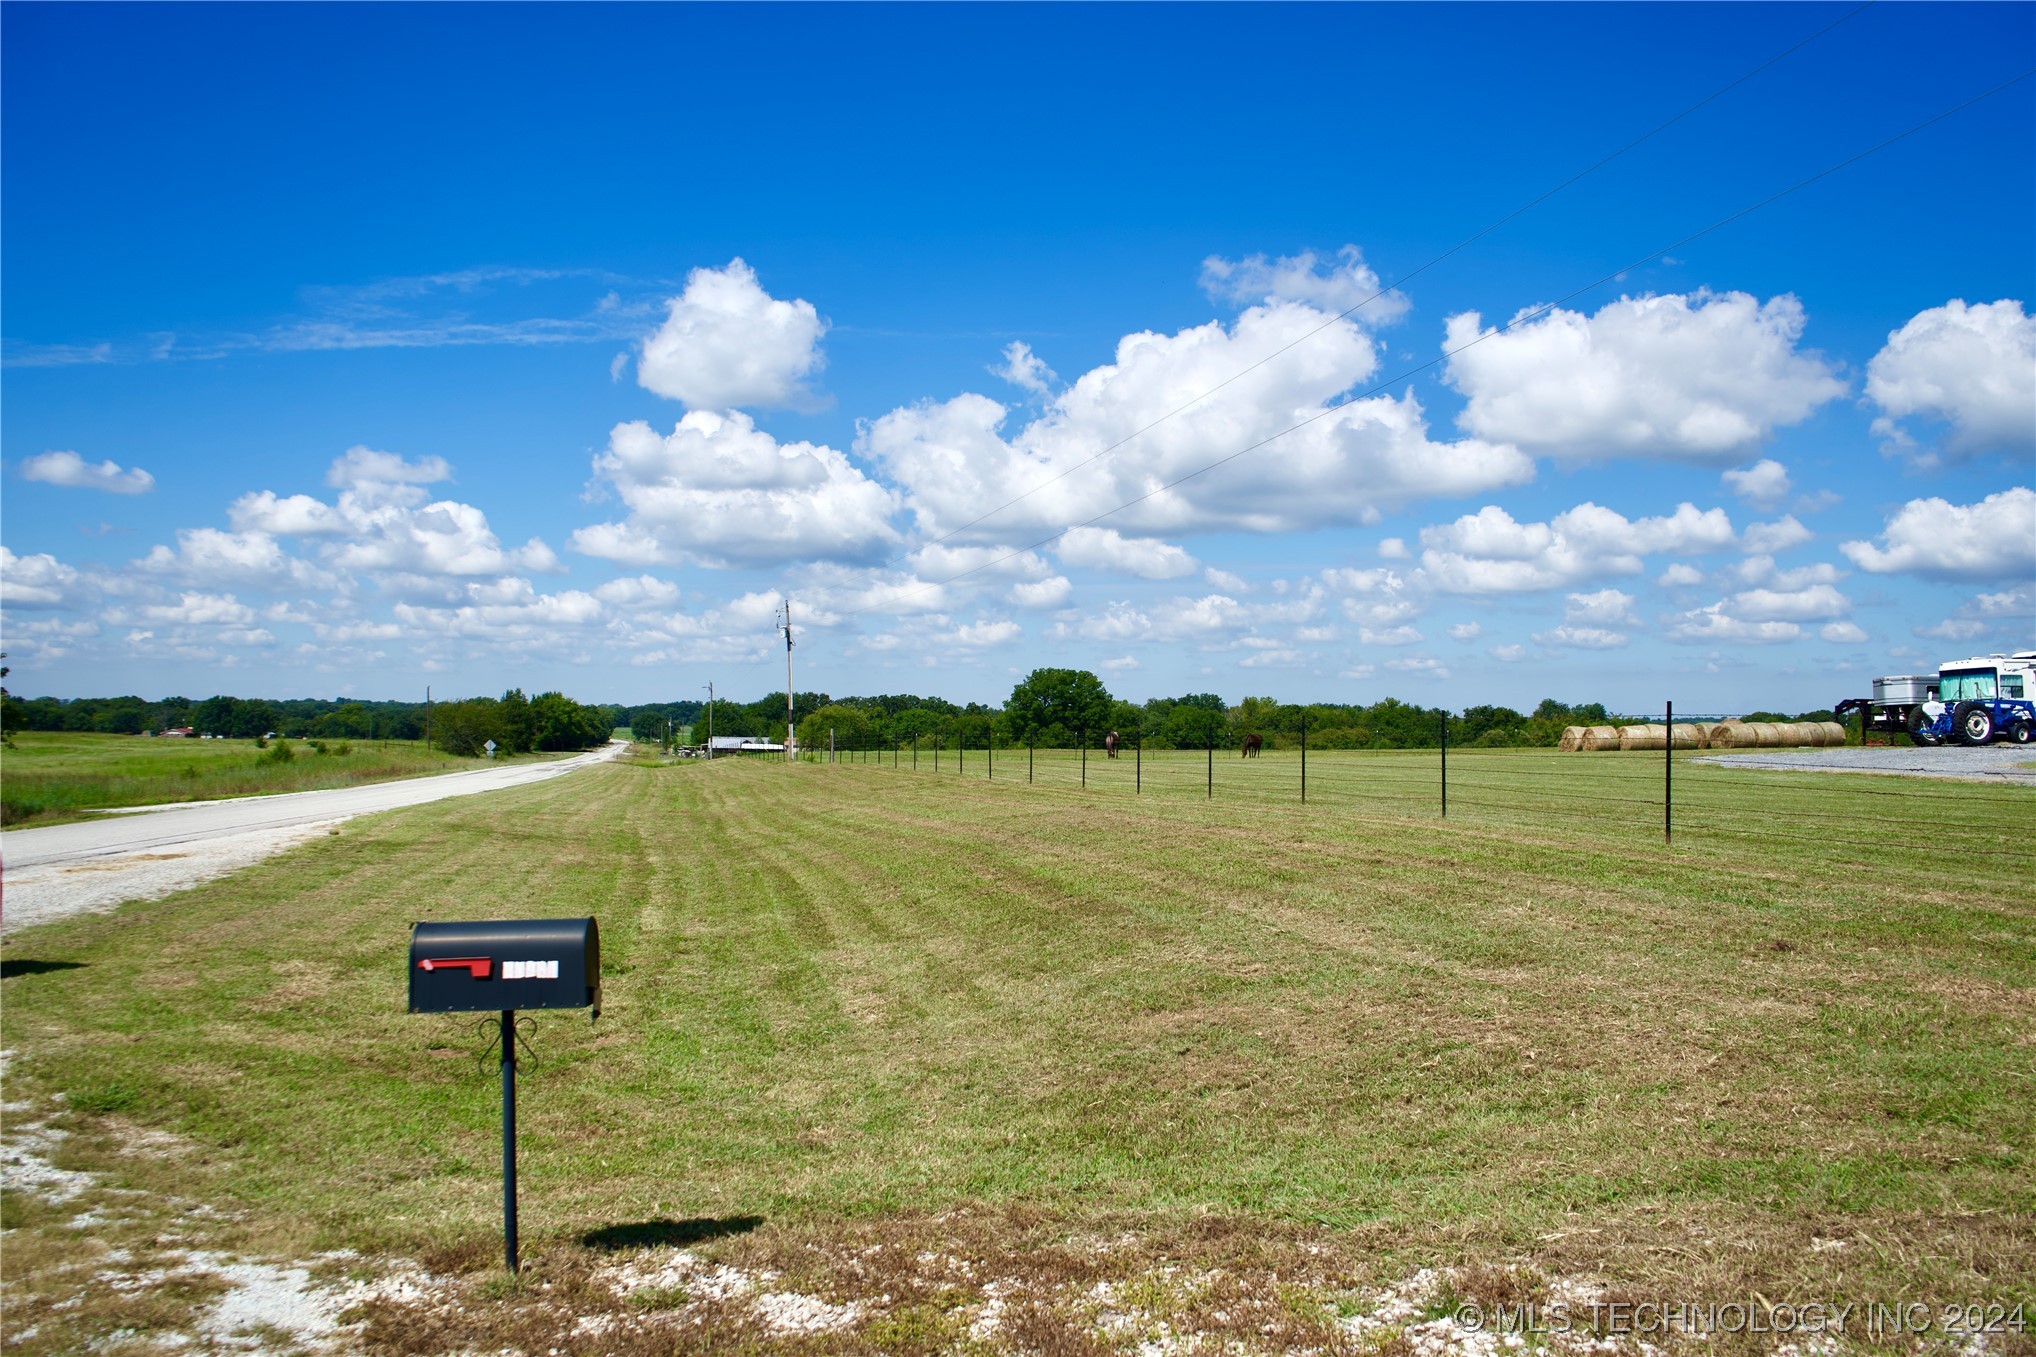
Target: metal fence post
(1212, 765)
(1445, 765)
(830, 744)
(1304, 758)
(1138, 786)
(1668, 781)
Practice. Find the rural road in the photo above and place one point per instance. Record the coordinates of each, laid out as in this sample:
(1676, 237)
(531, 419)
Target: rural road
(96, 865)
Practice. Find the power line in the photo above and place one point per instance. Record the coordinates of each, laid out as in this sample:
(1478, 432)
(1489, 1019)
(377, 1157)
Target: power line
(1388, 287)
(1523, 318)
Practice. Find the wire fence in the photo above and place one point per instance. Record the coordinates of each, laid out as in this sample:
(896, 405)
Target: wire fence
(1660, 794)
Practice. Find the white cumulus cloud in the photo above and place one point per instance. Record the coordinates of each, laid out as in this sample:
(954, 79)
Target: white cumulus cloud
(209, 558)
(1699, 378)
(365, 466)
(1024, 368)
(37, 581)
(1992, 540)
(1107, 549)
(69, 469)
(1972, 367)
(1763, 485)
(265, 511)
(1332, 285)
(953, 459)
(726, 342)
(1491, 552)
(1780, 535)
(1608, 607)
(719, 491)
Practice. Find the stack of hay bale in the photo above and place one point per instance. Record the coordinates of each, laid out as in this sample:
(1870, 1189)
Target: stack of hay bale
(1777, 735)
(1706, 735)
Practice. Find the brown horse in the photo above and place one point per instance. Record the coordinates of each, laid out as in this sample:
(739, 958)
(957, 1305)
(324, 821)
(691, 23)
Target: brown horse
(1252, 744)
(1110, 744)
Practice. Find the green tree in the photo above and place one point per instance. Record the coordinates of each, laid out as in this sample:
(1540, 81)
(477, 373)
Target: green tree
(464, 728)
(1193, 726)
(851, 727)
(518, 723)
(1073, 699)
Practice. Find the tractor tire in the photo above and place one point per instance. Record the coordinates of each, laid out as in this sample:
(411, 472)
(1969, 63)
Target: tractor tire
(2022, 732)
(1972, 724)
(1918, 724)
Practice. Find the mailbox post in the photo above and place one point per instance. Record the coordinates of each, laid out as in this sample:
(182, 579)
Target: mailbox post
(499, 967)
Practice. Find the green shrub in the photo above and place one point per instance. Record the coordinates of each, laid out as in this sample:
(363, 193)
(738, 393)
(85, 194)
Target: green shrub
(280, 753)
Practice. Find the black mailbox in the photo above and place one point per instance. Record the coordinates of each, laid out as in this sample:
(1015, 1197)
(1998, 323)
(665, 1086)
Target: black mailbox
(505, 964)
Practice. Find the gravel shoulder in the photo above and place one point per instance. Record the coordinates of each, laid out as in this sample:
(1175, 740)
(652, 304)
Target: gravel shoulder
(2011, 763)
(97, 865)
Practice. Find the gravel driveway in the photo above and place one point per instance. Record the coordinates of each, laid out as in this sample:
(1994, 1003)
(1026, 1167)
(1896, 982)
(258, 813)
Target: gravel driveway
(97, 865)
(1995, 763)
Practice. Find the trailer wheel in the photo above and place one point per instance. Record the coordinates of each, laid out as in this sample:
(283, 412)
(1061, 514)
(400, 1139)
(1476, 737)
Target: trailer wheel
(1972, 724)
(2021, 732)
(1918, 723)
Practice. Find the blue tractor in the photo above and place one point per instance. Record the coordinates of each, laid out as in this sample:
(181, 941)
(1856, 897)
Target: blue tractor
(1978, 701)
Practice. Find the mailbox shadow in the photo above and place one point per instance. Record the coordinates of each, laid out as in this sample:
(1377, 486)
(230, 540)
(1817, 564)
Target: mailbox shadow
(653, 1234)
(14, 966)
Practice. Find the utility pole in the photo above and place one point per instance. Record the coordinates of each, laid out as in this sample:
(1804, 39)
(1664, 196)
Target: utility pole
(791, 731)
(710, 720)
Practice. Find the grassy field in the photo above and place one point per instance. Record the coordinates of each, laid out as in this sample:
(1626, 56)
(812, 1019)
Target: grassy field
(49, 778)
(854, 1012)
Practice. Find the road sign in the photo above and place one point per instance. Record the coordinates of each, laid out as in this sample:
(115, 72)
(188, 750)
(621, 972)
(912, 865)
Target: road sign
(490, 747)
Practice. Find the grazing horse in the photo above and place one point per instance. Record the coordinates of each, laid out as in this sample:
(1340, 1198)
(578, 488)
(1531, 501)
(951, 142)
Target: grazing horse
(1252, 744)
(1110, 744)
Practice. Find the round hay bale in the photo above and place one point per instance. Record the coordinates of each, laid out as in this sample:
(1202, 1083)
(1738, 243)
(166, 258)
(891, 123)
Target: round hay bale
(1702, 730)
(1830, 734)
(1731, 735)
(1643, 737)
(1686, 736)
(1572, 739)
(1601, 737)
(1760, 735)
(1802, 732)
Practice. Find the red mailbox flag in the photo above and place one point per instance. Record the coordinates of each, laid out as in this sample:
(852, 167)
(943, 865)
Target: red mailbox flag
(476, 966)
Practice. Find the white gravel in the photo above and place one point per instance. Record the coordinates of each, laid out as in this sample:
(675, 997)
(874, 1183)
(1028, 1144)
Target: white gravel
(57, 890)
(1995, 763)
(100, 864)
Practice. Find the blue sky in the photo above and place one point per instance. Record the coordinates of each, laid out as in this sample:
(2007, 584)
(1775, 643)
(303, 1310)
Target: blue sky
(350, 349)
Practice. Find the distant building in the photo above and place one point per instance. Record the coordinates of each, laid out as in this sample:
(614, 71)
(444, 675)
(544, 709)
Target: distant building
(179, 733)
(722, 745)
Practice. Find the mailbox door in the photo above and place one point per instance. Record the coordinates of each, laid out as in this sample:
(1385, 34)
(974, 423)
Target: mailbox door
(503, 964)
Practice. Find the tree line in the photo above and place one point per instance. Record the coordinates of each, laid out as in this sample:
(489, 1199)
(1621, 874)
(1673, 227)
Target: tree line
(517, 724)
(1063, 708)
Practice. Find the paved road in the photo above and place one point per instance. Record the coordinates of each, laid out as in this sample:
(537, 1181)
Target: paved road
(98, 864)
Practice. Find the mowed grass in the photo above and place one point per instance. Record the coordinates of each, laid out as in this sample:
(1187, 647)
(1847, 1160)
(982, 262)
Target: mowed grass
(838, 995)
(49, 777)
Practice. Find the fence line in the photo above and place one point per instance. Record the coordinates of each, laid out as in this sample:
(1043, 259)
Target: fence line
(1398, 778)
